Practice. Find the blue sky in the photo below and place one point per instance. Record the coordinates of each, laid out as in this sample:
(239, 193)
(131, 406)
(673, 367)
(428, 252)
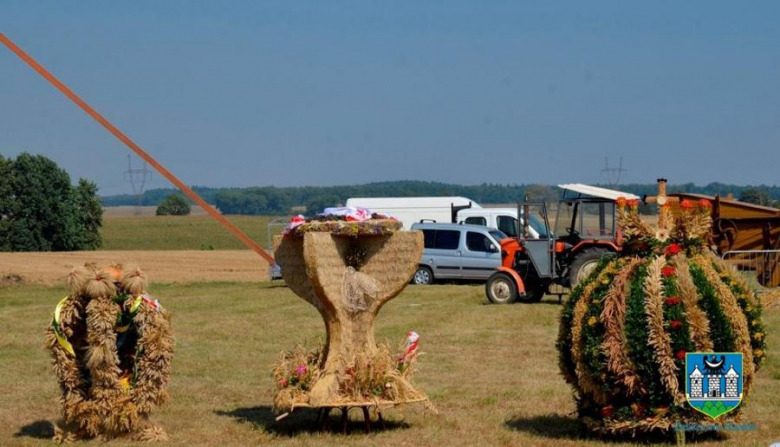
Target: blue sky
(244, 93)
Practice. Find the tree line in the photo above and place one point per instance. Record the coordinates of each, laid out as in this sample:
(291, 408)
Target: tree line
(270, 200)
(40, 210)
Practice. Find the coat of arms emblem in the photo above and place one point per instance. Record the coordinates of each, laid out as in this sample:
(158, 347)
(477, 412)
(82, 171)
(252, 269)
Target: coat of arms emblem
(713, 382)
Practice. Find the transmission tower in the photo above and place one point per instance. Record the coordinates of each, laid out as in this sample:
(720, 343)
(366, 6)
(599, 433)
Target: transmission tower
(137, 178)
(613, 175)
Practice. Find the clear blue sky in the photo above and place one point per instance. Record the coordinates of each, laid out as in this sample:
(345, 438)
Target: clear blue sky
(322, 93)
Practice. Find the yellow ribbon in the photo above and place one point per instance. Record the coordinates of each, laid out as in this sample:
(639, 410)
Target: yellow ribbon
(136, 304)
(133, 309)
(56, 325)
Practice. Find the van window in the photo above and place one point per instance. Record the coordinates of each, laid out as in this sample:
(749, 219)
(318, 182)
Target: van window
(447, 239)
(478, 242)
(508, 225)
(476, 220)
(429, 236)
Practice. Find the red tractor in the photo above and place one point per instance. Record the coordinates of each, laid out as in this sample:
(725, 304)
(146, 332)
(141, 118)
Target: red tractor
(584, 230)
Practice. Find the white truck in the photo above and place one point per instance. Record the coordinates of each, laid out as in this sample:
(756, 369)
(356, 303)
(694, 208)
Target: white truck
(411, 210)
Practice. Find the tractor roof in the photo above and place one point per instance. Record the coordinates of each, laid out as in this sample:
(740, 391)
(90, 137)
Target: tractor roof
(595, 191)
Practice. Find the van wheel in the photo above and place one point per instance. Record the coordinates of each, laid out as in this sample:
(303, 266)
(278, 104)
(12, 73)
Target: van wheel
(583, 265)
(423, 276)
(501, 289)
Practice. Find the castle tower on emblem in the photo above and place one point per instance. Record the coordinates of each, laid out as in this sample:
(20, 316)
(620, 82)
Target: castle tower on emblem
(732, 378)
(697, 383)
(713, 385)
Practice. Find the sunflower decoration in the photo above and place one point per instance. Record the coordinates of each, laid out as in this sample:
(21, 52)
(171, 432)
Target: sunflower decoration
(626, 329)
(112, 347)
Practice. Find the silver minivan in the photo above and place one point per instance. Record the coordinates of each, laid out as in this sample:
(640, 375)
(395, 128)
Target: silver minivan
(458, 251)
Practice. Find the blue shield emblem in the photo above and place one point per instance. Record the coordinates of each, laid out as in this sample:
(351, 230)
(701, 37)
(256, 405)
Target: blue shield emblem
(713, 381)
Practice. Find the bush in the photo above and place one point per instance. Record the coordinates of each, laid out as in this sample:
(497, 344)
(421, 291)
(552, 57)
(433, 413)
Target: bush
(41, 211)
(174, 205)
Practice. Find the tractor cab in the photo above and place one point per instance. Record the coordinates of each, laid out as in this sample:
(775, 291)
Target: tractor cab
(566, 250)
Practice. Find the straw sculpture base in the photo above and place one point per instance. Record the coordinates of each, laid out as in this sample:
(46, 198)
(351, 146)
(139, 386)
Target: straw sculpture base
(348, 279)
(112, 348)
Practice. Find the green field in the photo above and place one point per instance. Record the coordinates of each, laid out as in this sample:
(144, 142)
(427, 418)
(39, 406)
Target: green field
(490, 370)
(181, 233)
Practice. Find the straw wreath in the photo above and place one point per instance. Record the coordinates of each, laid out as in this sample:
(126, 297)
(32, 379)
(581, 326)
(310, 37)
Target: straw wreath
(112, 348)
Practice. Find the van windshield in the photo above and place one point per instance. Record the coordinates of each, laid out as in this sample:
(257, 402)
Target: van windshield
(498, 235)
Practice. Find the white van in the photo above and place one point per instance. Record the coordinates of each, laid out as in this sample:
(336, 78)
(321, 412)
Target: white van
(505, 219)
(411, 210)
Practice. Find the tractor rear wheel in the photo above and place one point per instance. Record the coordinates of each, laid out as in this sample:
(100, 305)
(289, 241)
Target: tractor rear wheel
(501, 289)
(584, 263)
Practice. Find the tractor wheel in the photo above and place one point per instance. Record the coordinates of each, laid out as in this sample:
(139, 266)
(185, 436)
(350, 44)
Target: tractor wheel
(501, 289)
(532, 296)
(423, 276)
(583, 264)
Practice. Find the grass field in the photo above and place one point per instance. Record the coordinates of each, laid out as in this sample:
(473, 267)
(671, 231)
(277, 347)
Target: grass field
(490, 370)
(180, 232)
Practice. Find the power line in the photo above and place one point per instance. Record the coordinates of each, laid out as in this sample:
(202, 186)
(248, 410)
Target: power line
(137, 178)
(613, 175)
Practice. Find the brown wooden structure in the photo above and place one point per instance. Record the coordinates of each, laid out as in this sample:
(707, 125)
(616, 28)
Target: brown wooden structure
(738, 226)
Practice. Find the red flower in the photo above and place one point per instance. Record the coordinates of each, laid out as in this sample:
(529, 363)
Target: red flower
(283, 383)
(667, 271)
(607, 411)
(672, 301)
(675, 324)
(621, 201)
(704, 203)
(633, 203)
(686, 204)
(638, 409)
(672, 250)
(680, 355)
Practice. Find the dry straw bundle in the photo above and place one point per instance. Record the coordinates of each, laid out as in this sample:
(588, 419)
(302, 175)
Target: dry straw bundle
(624, 331)
(112, 348)
(347, 276)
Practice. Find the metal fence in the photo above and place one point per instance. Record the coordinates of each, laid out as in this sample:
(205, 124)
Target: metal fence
(763, 266)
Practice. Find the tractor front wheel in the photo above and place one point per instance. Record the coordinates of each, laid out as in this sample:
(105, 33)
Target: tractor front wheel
(584, 263)
(501, 289)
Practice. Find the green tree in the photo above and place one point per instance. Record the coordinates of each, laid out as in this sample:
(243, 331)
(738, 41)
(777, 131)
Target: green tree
(89, 212)
(542, 193)
(41, 211)
(43, 217)
(316, 204)
(756, 196)
(173, 205)
(6, 203)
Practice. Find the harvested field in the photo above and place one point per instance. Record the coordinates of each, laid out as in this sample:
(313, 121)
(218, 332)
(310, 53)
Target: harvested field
(491, 371)
(160, 265)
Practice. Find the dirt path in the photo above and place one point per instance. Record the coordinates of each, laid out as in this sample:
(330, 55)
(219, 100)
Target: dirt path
(166, 266)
